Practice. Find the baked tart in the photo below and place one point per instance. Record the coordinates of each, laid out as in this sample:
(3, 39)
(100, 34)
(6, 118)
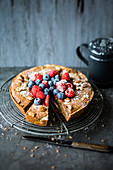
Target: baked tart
(32, 89)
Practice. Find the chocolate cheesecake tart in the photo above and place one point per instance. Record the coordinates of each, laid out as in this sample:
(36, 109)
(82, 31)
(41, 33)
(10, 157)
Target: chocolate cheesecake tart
(32, 89)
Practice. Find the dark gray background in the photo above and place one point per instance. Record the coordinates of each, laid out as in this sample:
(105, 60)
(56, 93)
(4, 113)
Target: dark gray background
(36, 32)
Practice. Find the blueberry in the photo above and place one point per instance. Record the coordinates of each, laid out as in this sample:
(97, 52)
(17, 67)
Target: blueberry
(37, 101)
(46, 91)
(55, 91)
(52, 79)
(30, 84)
(42, 85)
(46, 77)
(50, 83)
(37, 82)
(56, 80)
(57, 77)
(61, 95)
(51, 88)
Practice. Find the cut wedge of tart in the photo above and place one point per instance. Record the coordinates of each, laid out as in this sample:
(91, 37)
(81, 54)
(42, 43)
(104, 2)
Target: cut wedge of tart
(37, 114)
(69, 88)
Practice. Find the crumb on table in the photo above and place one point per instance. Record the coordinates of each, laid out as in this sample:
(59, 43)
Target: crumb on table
(53, 167)
(32, 155)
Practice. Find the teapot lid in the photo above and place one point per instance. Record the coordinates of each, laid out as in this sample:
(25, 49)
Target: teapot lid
(102, 48)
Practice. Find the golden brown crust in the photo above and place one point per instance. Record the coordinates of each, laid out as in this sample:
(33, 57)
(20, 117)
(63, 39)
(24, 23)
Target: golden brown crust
(71, 109)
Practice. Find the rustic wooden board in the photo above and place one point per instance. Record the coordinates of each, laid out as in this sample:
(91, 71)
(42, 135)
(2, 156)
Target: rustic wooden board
(36, 32)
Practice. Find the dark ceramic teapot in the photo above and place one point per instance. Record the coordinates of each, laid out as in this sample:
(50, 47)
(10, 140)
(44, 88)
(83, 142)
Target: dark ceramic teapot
(100, 61)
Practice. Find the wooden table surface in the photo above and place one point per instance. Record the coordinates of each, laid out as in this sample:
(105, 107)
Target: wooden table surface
(14, 157)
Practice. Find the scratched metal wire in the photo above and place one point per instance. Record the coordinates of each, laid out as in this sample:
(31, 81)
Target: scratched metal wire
(16, 119)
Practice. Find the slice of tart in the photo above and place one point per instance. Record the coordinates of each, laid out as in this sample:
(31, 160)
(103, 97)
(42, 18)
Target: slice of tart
(72, 107)
(69, 88)
(37, 114)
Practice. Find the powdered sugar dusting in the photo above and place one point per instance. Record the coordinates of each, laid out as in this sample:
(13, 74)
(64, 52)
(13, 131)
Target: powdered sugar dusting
(25, 93)
(32, 75)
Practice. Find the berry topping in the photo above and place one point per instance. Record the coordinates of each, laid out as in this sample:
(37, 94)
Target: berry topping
(61, 95)
(42, 85)
(37, 101)
(35, 89)
(70, 92)
(52, 79)
(50, 83)
(46, 77)
(61, 85)
(47, 100)
(37, 82)
(69, 85)
(40, 95)
(51, 88)
(45, 83)
(46, 91)
(55, 91)
(52, 73)
(65, 76)
(38, 76)
(30, 84)
(57, 77)
(56, 80)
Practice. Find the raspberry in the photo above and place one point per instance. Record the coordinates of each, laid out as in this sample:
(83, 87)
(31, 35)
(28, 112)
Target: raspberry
(69, 85)
(70, 92)
(47, 100)
(40, 95)
(38, 76)
(61, 85)
(45, 83)
(65, 76)
(52, 73)
(35, 89)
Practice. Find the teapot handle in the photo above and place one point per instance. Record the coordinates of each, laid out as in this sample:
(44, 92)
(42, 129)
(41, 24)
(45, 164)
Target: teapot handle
(80, 54)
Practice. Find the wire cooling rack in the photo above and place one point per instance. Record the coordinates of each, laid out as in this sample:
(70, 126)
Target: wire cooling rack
(16, 119)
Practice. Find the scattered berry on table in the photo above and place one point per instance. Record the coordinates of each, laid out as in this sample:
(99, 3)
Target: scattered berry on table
(50, 83)
(37, 101)
(61, 95)
(37, 82)
(46, 91)
(47, 100)
(38, 76)
(52, 73)
(70, 92)
(42, 85)
(66, 76)
(40, 95)
(30, 84)
(46, 77)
